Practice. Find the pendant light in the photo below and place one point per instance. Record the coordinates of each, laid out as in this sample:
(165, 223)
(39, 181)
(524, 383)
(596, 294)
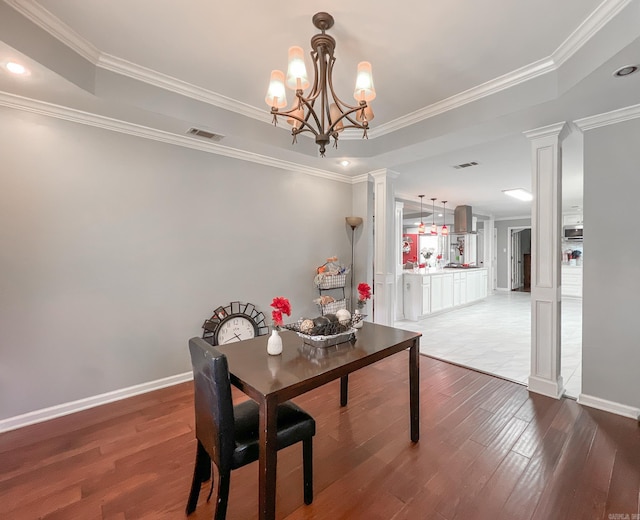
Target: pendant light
(445, 231)
(434, 228)
(421, 226)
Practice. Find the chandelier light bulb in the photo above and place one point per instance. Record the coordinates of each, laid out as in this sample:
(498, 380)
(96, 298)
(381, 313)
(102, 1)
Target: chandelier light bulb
(297, 71)
(365, 91)
(276, 94)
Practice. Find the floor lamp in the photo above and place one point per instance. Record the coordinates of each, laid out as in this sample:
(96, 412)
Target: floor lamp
(354, 222)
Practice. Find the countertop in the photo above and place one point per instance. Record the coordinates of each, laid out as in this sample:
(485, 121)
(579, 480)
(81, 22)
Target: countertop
(445, 270)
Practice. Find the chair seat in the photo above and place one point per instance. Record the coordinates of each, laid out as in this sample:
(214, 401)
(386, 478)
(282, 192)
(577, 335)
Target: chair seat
(294, 424)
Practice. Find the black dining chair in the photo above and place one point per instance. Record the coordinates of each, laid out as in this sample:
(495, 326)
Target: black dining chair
(228, 435)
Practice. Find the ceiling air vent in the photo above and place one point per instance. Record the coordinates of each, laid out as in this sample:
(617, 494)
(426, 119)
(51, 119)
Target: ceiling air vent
(204, 134)
(465, 165)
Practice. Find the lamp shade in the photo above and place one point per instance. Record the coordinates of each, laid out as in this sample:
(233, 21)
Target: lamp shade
(276, 94)
(297, 71)
(368, 115)
(354, 222)
(444, 231)
(365, 91)
(335, 113)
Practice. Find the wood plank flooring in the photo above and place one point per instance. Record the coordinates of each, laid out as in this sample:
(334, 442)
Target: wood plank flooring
(488, 450)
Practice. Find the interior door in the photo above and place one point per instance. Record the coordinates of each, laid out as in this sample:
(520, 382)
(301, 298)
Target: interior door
(516, 261)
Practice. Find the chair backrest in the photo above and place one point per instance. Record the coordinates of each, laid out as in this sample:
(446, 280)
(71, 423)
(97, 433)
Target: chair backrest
(213, 402)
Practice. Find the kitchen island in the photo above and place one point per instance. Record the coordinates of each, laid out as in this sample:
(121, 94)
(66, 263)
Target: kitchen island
(430, 292)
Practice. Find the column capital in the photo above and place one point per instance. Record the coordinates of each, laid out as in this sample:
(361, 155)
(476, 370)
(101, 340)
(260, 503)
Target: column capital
(559, 130)
(384, 173)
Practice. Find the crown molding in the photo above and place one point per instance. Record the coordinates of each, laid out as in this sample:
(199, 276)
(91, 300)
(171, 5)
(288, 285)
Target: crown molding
(600, 17)
(40, 16)
(124, 127)
(493, 86)
(608, 118)
(158, 79)
(585, 31)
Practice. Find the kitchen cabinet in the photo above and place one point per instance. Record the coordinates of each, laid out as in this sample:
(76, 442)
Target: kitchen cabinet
(432, 293)
(571, 286)
(441, 292)
(459, 288)
(572, 220)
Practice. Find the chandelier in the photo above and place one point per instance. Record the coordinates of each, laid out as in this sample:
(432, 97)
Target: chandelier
(320, 112)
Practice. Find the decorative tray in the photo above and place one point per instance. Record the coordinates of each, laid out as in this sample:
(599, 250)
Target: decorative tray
(330, 334)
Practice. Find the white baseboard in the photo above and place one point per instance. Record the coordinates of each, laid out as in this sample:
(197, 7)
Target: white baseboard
(609, 406)
(501, 289)
(546, 387)
(59, 410)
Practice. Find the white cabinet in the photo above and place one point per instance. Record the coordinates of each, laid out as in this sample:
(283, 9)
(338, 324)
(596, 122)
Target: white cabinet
(428, 293)
(416, 296)
(571, 220)
(459, 289)
(571, 286)
(441, 292)
(484, 284)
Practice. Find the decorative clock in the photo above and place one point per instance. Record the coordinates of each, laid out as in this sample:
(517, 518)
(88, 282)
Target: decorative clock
(234, 322)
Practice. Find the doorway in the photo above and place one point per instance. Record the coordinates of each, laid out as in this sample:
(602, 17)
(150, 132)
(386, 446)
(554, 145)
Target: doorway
(519, 254)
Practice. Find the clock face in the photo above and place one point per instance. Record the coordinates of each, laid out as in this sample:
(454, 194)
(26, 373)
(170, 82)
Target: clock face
(235, 328)
(234, 322)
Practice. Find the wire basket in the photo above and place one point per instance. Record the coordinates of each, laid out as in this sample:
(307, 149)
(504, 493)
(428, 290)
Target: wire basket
(331, 281)
(333, 307)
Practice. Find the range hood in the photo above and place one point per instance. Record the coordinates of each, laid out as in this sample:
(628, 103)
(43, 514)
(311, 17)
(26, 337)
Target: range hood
(463, 220)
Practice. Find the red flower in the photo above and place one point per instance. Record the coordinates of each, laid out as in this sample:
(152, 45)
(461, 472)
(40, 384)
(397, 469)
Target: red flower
(277, 318)
(281, 306)
(364, 291)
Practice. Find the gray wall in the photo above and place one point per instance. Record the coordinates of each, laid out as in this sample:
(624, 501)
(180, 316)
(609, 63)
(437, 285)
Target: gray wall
(502, 244)
(610, 344)
(115, 249)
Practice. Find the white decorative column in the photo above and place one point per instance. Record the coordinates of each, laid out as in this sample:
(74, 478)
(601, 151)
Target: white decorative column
(384, 260)
(546, 225)
(399, 217)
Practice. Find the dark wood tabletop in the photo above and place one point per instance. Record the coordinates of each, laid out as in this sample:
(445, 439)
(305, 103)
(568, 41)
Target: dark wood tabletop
(270, 380)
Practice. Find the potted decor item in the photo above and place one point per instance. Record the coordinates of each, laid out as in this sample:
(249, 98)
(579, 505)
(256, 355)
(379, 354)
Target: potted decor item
(280, 306)
(364, 294)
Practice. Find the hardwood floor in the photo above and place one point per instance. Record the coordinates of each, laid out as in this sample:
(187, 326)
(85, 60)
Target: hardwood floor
(488, 450)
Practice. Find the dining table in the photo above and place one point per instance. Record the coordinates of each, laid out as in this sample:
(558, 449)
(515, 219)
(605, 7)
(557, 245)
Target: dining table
(301, 367)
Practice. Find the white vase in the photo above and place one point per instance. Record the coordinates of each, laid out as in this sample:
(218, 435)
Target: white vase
(359, 324)
(274, 344)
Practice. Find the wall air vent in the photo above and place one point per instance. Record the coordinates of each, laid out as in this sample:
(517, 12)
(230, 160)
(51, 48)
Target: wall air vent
(465, 165)
(204, 134)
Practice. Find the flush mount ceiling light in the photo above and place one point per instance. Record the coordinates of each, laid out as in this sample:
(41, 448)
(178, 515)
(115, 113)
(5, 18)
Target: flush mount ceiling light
(332, 115)
(627, 70)
(519, 193)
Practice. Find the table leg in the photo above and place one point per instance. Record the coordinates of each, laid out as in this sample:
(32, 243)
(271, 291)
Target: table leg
(414, 391)
(268, 460)
(344, 389)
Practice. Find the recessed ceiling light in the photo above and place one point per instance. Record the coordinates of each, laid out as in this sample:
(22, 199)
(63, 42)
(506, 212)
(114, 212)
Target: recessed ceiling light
(439, 214)
(627, 70)
(519, 193)
(345, 163)
(16, 68)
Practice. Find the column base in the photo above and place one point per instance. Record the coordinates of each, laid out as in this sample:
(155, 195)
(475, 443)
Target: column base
(547, 387)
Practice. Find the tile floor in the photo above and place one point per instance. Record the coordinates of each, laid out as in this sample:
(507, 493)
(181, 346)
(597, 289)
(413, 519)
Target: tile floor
(494, 336)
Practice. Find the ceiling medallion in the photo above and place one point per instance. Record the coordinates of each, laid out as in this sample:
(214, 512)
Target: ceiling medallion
(331, 115)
